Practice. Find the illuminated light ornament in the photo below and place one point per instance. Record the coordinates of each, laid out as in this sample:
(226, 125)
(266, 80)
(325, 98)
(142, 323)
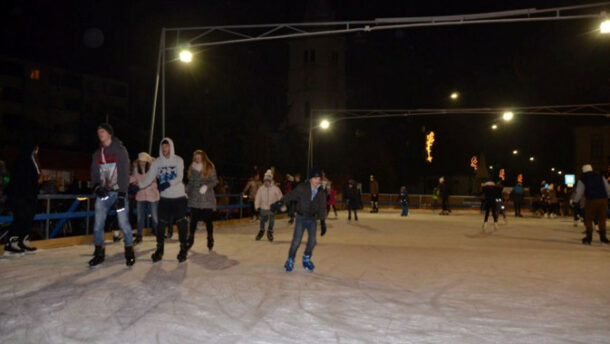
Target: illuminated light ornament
(520, 178)
(502, 174)
(429, 143)
(474, 163)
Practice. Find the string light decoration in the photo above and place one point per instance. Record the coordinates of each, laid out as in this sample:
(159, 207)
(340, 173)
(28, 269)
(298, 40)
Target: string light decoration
(474, 162)
(429, 143)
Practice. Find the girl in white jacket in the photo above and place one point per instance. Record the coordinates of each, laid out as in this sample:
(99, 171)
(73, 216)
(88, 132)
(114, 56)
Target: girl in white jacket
(266, 195)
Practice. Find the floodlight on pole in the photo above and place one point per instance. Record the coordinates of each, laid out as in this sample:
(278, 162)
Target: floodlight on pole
(324, 124)
(507, 116)
(604, 27)
(185, 56)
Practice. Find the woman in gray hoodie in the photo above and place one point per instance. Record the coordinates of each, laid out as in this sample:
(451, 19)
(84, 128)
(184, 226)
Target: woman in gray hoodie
(201, 198)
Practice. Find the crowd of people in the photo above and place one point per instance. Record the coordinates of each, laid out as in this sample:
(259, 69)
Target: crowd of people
(161, 196)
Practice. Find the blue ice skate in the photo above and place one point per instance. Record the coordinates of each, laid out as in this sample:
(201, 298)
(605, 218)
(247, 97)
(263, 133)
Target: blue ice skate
(289, 265)
(307, 264)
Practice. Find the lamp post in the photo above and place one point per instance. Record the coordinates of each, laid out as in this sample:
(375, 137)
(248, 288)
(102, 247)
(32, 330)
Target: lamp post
(324, 125)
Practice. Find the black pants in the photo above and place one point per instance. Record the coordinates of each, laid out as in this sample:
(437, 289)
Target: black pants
(349, 213)
(328, 210)
(253, 212)
(204, 215)
(517, 204)
(494, 209)
(445, 203)
(23, 216)
(174, 208)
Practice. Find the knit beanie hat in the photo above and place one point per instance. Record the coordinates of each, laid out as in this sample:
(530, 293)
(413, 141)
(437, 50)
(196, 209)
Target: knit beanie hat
(315, 173)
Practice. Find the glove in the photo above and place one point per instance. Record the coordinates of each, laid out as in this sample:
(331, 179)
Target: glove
(277, 206)
(322, 228)
(101, 192)
(120, 202)
(163, 186)
(133, 189)
(203, 189)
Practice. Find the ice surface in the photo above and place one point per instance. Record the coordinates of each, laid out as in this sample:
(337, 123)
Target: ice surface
(385, 279)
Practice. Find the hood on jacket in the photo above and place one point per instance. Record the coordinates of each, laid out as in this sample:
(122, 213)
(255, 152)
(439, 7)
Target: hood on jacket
(172, 153)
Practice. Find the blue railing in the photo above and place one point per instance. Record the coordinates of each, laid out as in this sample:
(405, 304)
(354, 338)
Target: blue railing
(73, 213)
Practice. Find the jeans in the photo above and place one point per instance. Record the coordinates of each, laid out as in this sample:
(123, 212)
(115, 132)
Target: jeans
(405, 210)
(303, 223)
(266, 214)
(142, 206)
(101, 212)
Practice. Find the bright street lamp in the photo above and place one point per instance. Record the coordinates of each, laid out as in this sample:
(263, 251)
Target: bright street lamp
(186, 56)
(507, 116)
(531, 158)
(552, 169)
(491, 167)
(605, 27)
(494, 126)
(324, 124)
(515, 152)
(559, 172)
(454, 95)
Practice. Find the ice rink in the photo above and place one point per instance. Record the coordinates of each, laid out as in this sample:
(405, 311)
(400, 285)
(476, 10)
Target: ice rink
(385, 279)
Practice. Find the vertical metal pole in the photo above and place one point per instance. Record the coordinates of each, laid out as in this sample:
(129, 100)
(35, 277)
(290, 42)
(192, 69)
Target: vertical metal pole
(310, 144)
(87, 218)
(163, 87)
(241, 206)
(48, 212)
(156, 96)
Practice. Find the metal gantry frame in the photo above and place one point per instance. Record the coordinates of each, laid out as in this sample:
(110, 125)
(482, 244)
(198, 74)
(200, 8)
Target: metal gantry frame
(192, 37)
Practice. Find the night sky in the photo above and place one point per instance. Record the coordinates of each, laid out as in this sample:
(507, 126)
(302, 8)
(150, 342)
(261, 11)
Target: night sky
(243, 87)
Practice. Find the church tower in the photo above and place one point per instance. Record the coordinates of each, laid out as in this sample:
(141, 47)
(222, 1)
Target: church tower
(316, 78)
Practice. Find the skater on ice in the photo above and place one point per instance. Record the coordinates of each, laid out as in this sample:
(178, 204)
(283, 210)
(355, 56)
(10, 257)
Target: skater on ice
(266, 196)
(147, 199)
(310, 199)
(169, 169)
(110, 175)
(201, 198)
(596, 190)
(22, 192)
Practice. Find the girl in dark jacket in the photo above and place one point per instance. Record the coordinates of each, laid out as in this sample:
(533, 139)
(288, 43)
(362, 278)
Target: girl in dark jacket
(351, 195)
(201, 197)
(491, 193)
(403, 197)
(22, 193)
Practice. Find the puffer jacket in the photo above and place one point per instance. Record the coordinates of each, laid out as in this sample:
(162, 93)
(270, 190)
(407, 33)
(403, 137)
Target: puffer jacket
(195, 198)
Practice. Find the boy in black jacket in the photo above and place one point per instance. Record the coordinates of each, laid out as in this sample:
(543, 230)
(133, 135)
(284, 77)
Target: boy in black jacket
(310, 199)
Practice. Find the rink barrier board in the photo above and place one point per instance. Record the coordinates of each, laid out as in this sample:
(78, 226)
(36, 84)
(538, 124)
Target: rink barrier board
(88, 239)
